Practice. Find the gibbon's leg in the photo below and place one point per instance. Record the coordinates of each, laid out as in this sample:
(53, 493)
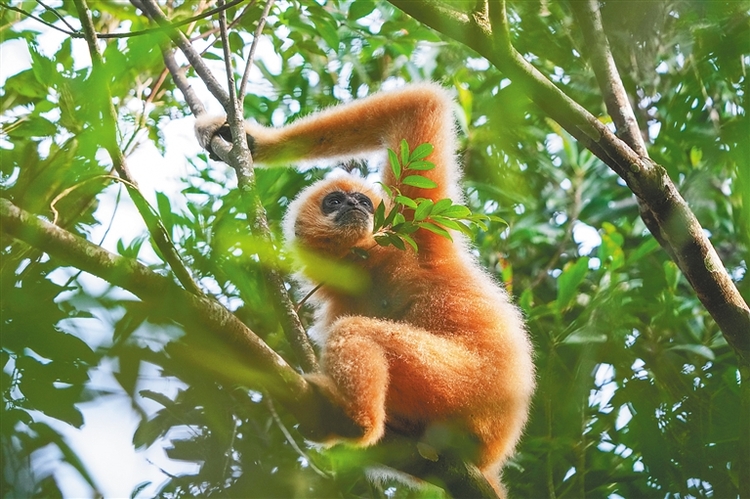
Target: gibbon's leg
(373, 362)
(418, 113)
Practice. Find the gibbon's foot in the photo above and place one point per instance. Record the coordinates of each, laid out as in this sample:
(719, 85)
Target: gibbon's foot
(327, 423)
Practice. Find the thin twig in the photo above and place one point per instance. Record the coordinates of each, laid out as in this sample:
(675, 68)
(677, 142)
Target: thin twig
(307, 297)
(152, 9)
(237, 19)
(57, 14)
(74, 34)
(171, 25)
(291, 441)
(253, 47)
(232, 109)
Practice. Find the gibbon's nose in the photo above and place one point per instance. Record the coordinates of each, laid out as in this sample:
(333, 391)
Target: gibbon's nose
(351, 201)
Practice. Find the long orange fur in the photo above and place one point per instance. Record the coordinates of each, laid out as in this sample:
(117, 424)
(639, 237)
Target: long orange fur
(432, 341)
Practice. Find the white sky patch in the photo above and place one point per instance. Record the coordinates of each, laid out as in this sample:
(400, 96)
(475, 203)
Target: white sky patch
(586, 237)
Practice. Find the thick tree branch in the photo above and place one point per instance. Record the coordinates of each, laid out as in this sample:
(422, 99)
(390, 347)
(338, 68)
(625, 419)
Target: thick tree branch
(694, 253)
(267, 370)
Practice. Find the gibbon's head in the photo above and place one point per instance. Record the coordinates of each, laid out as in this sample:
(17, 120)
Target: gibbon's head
(332, 216)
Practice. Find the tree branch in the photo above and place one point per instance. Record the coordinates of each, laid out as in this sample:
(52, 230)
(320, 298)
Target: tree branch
(152, 10)
(649, 181)
(276, 376)
(239, 157)
(109, 127)
(613, 91)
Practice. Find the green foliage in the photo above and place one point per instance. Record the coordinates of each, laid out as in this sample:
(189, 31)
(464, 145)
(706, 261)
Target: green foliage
(395, 225)
(638, 392)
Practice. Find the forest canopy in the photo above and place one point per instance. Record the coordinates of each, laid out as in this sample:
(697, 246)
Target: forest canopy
(611, 139)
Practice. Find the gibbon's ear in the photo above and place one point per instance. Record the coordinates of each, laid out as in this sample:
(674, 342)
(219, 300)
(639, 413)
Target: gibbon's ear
(207, 127)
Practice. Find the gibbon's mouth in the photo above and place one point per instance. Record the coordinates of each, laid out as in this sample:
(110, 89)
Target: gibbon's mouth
(351, 215)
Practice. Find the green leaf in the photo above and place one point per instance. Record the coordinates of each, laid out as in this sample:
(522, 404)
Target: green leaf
(382, 240)
(387, 190)
(165, 211)
(396, 241)
(404, 152)
(236, 43)
(327, 31)
(568, 282)
(406, 201)
(395, 164)
(421, 165)
(43, 67)
(360, 8)
(456, 211)
(423, 210)
(465, 228)
(419, 181)
(672, 274)
(410, 241)
(495, 218)
(445, 222)
(157, 397)
(441, 206)
(405, 227)
(700, 350)
(391, 216)
(584, 336)
(421, 152)
(379, 217)
(436, 229)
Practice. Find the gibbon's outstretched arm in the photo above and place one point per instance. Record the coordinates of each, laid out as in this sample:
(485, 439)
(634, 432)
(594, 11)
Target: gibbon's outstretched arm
(428, 344)
(418, 113)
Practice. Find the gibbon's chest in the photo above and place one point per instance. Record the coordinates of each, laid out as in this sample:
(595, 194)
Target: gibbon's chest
(389, 296)
(396, 285)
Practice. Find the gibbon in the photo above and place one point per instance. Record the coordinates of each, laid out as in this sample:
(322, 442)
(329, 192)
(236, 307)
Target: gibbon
(432, 343)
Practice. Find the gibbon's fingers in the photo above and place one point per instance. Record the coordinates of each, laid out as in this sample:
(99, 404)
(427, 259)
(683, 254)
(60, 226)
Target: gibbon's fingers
(208, 127)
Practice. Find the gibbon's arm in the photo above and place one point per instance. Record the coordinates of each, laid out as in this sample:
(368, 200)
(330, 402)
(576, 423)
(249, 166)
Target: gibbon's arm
(418, 113)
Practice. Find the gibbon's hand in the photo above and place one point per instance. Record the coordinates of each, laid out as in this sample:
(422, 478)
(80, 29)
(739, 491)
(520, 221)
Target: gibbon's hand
(207, 127)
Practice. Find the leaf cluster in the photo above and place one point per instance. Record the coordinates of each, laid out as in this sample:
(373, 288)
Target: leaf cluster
(395, 225)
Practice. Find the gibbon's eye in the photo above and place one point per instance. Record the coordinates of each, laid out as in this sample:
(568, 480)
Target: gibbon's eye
(332, 202)
(364, 201)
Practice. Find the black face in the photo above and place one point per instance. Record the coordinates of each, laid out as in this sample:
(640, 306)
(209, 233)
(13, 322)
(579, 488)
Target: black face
(347, 206)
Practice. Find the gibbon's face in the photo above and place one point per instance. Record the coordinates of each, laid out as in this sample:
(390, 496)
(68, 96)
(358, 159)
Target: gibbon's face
(333, 216)
(348, 209)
